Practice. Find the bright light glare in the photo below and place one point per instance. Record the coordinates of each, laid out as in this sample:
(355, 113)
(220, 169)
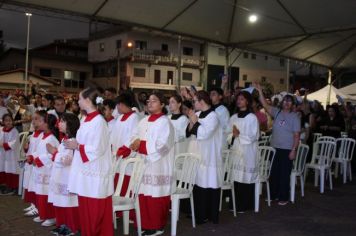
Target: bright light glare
(129, 44)
(252, 18)
(28, 14)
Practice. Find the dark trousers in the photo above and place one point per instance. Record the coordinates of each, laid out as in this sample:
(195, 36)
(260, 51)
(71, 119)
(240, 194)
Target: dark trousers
(244, 196)
(206, 204)
(280, 175)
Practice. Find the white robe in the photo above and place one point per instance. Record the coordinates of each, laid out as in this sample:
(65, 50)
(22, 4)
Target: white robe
(224, 116)
(245, 162)
(159, 136)
(33, 144)
(58, 183)
(42, 174)
(91, 170)
(207, 143)
(9, 158)
(181, 143)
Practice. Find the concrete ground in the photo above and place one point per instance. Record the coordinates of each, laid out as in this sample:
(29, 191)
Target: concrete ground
(331, 213)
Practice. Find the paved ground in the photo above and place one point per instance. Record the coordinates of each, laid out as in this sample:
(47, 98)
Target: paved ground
(333, 213)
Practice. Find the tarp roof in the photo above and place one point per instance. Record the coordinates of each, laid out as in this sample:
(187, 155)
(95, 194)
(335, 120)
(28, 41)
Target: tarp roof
(322, 94)
(349, 90)
(317, 31)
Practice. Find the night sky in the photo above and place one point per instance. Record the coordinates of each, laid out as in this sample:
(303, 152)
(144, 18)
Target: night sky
(43, 29)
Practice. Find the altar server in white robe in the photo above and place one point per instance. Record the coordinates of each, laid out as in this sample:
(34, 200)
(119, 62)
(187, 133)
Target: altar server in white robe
(206, 135)
(91, 170)
(244, 129)
(108, 107)
(123, 130)
(180, 122)
(28, 181)
(155, 140)
(43, 167)
(10, 145)
(217, 96)
(64, 202)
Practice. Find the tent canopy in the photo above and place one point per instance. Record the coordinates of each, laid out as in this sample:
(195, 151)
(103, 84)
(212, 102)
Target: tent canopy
(349, 90)
(322, 95)
(318, 31)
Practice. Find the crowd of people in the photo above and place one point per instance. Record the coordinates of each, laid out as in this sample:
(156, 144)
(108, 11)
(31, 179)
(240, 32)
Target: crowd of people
(68, 176)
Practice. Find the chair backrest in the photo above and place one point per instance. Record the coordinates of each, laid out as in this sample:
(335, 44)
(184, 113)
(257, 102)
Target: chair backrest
(265, 140)
(262, 133)
(345, 148)
(326, 138)
(23, 136)
(316, 136)
(266, 157)
(186, 166)
(324, 152)
(301, 158)
(138, 167)
(227, 158)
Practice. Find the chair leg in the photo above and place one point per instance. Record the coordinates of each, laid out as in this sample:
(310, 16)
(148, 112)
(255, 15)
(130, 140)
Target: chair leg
(114, 219)
(22, 171)
(268, 193)
(344, 174)
(174, 215)
(316, 177)
(330, 180)
(337, 170)
(302, 185)
(221, 195)
(257, 196)
(192, 209)
(233, 199)
(138, 217)
(322, 178)
(350, 171)
(292, 187)
(126, 221)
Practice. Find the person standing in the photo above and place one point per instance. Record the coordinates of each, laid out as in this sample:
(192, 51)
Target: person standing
(91, 170)
(245, 132)
(285, 139)
(206, 135)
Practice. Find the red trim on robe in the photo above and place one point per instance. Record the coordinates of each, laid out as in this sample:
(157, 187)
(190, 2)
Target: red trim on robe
(83, 155)
(123, 151)
(154, 117)
(91, 116)
(109, 119)
(7, 130)
(30, 159)
(38, 162)
(126, 115)
(46, 135)
(6, 146)
(142, 149)
(54, 155)
(37, 133)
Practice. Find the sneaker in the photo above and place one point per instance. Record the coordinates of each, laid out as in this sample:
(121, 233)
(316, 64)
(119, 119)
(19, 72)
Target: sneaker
(56, 231)
(33, 212)
(65, 231)
(282, 203)
(29, 208)
(149, 232)
(49, 222)
(37, 219)
(159, 232)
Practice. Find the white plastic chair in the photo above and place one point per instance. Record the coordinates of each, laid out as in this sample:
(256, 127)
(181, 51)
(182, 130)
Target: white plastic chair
(23, 136)
(266, 157)
(298, 170)
(130, 200)
(344, 134)
(265, 140)
(344, 155)
(323, 153)
(316, 136)
(186, 165)
(228, 184)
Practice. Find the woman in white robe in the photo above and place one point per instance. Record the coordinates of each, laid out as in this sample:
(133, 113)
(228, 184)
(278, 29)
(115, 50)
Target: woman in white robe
(206, 135)
(179, 122)
(155, 140)
(244, 129)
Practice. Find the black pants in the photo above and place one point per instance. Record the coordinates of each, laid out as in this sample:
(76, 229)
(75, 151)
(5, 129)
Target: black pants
(206, 204)
(280, 175)
(244, 196)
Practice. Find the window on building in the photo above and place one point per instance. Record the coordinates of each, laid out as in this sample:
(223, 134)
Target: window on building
(244, 77)
(187, 51)
(101, 47)
(141, 45)
(68, 74)
(253, 56)
(263, 79)
(246, 55)
(169, 77)
(281, 81)
(187, 76)
(281, 62)
(164, 47)
(139, 72)
(45, 72)
(118, 43)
